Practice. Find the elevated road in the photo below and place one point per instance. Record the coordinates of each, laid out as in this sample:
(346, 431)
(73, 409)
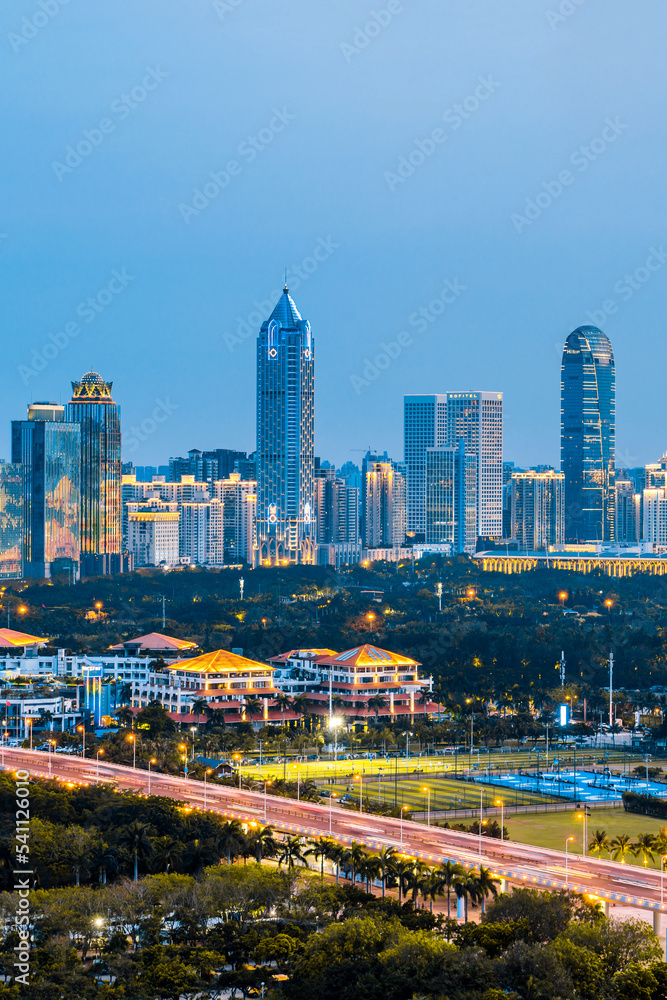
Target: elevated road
(519, 864)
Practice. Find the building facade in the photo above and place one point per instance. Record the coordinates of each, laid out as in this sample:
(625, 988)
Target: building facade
(385, 496)
(451, 498)
(48, 450)
(627, 519)
(153, 535)
(424, 426)
(286, 528)
(98, 417)
(12, 512)
(476, 418)
(588, 429)
(537, 509)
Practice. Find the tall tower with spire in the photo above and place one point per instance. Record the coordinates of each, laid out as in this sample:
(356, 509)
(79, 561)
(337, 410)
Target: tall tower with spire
(286, 529)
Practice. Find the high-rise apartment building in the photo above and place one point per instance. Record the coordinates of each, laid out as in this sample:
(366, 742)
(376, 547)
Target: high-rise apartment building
(627, 518)
(48, 450)
(588, 418)
(424, 426)
(98, 417)
(476, 418)
(336, 507)
(286, 528)
(385, 505)
(153, 536)
(206, 466)
(451, 498)
(537, 509)
(654, 516)
(239, 499)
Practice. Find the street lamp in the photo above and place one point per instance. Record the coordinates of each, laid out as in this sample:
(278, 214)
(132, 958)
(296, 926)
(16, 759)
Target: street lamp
(207, 771)
(335, 725)
(98, 765)
(371, 619)
(266, 785)
(438, 590)
(360, 779)
(428, 807)
(568, 841)
(82, 729)
(584, 816)
(562, 597)
(151, 760)
(133, 741)
(499, 802)
(331, 798)
(51, 744)
(402, 810)
(608, 605)
(98, 608)
(29, 722)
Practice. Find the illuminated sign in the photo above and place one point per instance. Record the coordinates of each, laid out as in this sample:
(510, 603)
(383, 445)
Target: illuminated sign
(563, 715)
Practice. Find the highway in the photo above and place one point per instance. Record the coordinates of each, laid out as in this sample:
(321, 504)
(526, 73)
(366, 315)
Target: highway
(523, 864)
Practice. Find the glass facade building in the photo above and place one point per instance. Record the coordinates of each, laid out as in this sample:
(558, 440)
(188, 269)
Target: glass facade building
(451, 498)
(11, 520)
(588, 419)
(48, 449)
(476, 418)
(424, 426)
(286, 522)
(93, 409)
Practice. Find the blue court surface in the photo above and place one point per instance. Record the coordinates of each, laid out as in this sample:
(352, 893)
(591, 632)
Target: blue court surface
(580, 786)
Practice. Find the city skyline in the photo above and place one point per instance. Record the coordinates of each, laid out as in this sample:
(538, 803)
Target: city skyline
(138, 252)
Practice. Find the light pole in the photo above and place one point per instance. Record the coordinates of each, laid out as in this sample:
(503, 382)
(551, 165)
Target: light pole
(360, 779)
(260, 759)
(193, 730)
(331, 798)
(82, 729)
(481, 818)
(133, 741)
(151, 760)
(662, 877)
(499, 802)
(428, 806)
(266, 785)
(403, 808)
(207, 771)
(97, 771)
(438, 590)
(50, 745)
(568, 841)
(28, 722)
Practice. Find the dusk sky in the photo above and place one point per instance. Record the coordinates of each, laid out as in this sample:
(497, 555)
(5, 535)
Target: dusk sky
(167, 159)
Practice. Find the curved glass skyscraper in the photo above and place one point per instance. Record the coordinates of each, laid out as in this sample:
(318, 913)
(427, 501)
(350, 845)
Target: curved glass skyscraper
(286, 524)
(588, 418)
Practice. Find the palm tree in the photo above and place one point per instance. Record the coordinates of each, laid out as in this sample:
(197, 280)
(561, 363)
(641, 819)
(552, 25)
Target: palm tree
(135, 836)
(104, 860)
(283, 701)
(370, 870)
(644, 845)
(487, 885)
(321, 849)
(401, 871)
(337, 855)
(253, 706)
(199, 706)
(448, 874)
(232, 839)
(166, 852)
(356, 858)
(300, 706)
(385, 863)
(377, 703)
(431, 887)
(619, 847)
(125, 693)
(46, 717)
(290, 852)
(263, 843)
(125, 717)
(599, 842)
(465, 887)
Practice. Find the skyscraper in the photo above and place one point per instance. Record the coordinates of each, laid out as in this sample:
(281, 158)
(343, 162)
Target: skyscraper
(536, 504)
(98, 416)
(588, 415)
(48, 450)
(451, 498)
(384, 525)
(424, 426)
(12, 508)
(476, 418)
(286, 529)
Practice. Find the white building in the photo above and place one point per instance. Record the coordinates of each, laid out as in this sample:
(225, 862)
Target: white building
(537, 509)
(153, 533)
(477, 419)
(385, 506)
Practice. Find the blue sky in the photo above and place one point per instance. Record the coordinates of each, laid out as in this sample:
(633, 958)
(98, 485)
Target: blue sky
(512, 150)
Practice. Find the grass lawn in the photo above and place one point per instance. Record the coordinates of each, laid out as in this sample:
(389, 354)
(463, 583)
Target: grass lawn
(552, 829)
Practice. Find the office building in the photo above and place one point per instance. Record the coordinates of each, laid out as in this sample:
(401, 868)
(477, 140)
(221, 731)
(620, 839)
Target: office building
(48, 450)
(205, 466)
(588, 415)
(98, 417)
(286, 528)
(537, 509)
(476, 418)
(451, 498)
(385, 496)
(424, 426)
(12, 507)
(627, 518)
